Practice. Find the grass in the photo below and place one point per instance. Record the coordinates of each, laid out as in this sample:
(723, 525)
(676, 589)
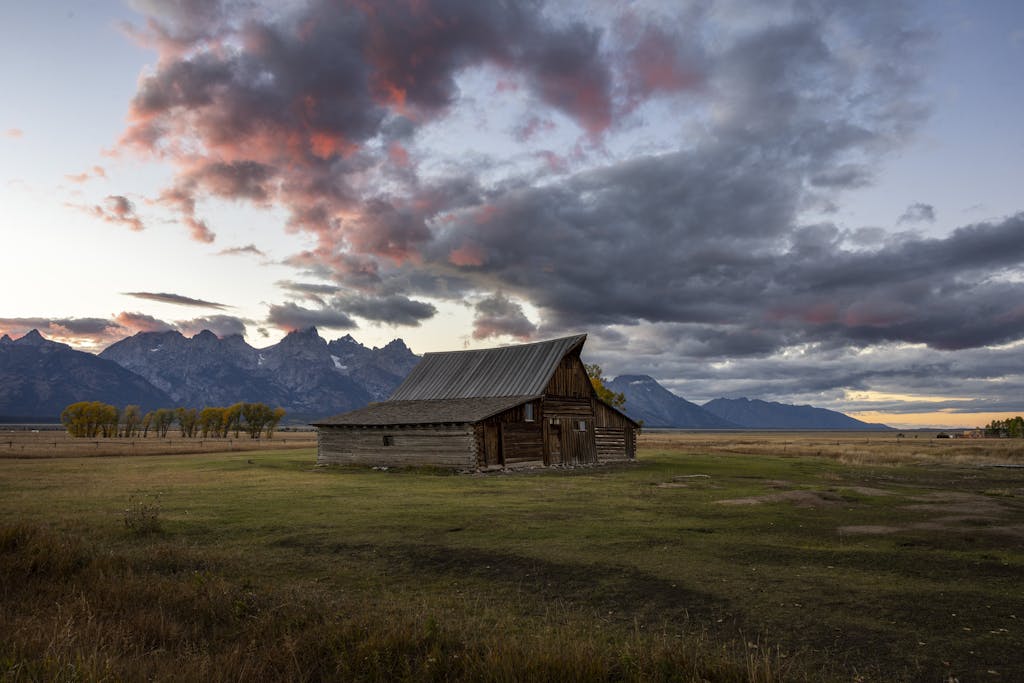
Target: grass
(23, 443)
(696, 563)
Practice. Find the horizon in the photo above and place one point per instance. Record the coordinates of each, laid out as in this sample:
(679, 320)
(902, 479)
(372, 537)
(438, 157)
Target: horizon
(804, 202)
(313, 329)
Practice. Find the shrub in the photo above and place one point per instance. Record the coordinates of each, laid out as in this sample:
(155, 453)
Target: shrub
(142, 516)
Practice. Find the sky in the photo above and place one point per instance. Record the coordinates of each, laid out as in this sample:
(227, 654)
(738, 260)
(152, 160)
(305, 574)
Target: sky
(811, 202)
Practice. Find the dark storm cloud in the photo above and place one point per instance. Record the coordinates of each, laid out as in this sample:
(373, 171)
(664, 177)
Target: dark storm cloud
(394, 309)
(177, 299)
(291, 316)
(220, 325)
(498, 316)
(918, 213)
(695, 261)
(285, 105)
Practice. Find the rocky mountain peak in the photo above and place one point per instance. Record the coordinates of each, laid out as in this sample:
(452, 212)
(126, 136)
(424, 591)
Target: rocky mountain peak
(5, 339)
(305, 334)
(31, 338)
(396, 345)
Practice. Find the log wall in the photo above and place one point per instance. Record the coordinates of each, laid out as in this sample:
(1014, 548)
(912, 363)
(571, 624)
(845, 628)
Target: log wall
(432, 446)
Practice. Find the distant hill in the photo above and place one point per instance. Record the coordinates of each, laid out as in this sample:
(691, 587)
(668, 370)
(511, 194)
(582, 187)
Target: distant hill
(303, 373)
(658, 407)
(756, 414)
(39, 378)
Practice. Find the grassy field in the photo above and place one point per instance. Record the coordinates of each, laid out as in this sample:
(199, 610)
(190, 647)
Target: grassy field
(715, 557)
(51, 443)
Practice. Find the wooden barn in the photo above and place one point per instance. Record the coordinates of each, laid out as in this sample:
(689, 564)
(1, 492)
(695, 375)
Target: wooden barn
(530, 404)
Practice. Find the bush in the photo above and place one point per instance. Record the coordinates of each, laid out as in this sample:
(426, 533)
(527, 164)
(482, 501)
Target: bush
(142, 516)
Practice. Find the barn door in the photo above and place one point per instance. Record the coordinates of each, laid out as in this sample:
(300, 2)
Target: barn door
(554, 443)
(492, 445)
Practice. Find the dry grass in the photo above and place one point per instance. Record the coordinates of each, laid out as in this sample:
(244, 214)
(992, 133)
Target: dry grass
(161, 613)
(851, 448)
(58, 444)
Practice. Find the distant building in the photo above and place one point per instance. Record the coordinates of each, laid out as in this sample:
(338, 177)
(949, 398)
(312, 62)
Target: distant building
(530, 404)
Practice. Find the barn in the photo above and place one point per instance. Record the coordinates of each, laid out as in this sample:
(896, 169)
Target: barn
(512, 406)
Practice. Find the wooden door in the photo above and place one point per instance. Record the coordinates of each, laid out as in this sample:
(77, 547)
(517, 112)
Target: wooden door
(554, 444)
(492, 444)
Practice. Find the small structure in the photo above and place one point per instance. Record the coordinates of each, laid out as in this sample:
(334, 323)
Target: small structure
(530, 404)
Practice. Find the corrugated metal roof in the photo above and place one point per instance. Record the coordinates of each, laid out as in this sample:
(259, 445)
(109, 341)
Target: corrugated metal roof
(522, 370)
(443, 411)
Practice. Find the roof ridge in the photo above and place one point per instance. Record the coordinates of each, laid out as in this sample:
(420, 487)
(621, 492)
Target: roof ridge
(582, 336)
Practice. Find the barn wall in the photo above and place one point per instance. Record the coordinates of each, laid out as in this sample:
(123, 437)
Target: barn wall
(509, 439)
(615, 435)
(438, 446)
(570, 379)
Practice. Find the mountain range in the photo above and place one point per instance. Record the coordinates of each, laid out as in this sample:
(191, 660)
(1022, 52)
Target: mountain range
(303, 373)
(306, 375)
(656, 406)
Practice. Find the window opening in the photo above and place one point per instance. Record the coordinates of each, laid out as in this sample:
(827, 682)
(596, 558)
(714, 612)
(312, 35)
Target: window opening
(528, 412)
(389, 440)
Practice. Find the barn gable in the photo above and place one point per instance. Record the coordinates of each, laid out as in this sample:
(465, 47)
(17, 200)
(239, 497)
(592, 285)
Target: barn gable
(522, 370)
(508, 406)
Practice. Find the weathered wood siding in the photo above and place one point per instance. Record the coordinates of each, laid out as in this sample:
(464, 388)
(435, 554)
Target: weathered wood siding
(522, 443)
(509, 439)
(435, 445)
(616, 436)
(570, 380)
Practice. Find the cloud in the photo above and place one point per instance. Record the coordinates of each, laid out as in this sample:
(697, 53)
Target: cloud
(14, 133)
(177, 299)
(290, 316)
(119, 210)
(85, 176)
(658, 173)
(249, 249)
(394, 309)
(918, 213)
(498, 316)
(140, 322)
(87, 332)
(220, 325)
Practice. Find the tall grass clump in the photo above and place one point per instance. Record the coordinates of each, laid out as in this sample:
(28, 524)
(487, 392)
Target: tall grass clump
(142, 514)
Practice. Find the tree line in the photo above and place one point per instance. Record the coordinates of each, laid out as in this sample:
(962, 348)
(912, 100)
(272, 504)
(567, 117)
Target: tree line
(1012, 427)
(92, 419)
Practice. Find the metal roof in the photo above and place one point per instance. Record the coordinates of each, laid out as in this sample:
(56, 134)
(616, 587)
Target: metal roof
(522, 370)
(443, 411)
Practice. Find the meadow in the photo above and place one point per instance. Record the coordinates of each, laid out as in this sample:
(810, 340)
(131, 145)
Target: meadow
(54, 443)
(717, 557)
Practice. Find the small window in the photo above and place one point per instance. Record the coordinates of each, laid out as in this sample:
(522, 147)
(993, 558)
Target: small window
(389, 440)
(528, 412)
(581, 425)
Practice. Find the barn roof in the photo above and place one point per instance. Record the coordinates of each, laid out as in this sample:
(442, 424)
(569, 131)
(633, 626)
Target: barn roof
(508, 371)
(442, 411)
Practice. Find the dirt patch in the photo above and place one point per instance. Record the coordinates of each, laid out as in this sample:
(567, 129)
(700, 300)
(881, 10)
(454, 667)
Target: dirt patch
(867, 490)
(673, 485)
(953, 508)
(808, 499)
(868, 529)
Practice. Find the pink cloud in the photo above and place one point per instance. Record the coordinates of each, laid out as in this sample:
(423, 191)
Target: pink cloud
(94, 172)
(119, 210)
(14, 133)
(467, 255)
